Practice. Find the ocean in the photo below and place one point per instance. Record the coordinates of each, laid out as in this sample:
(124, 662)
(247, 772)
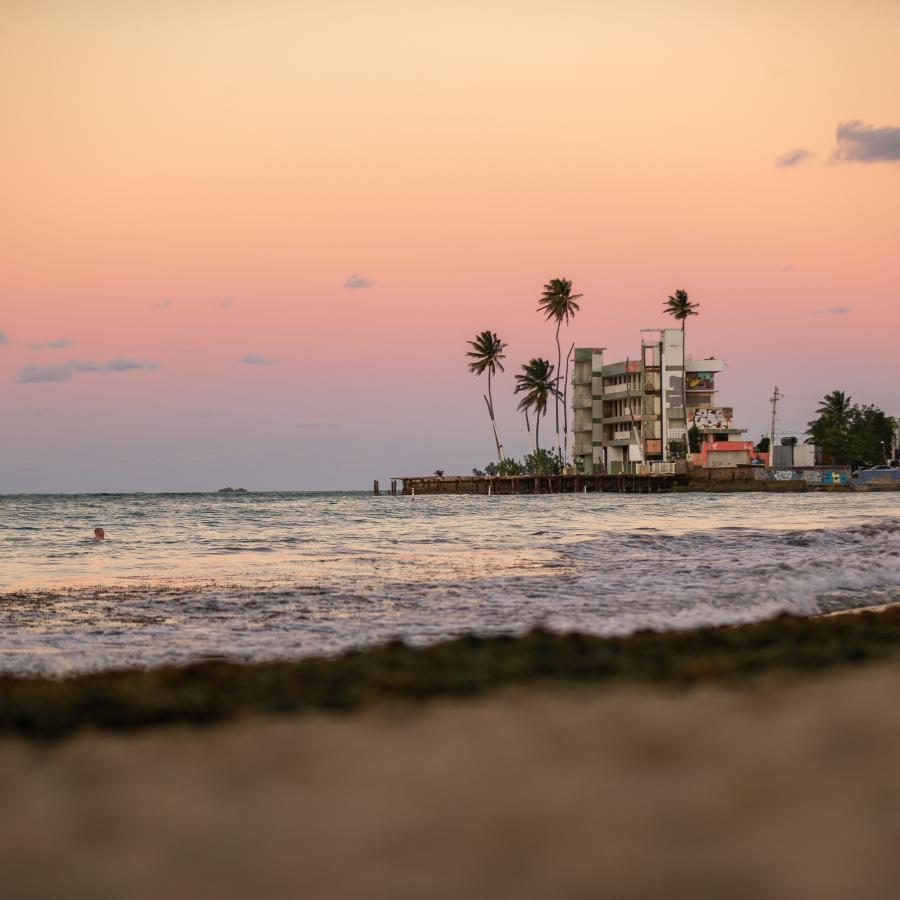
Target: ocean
(264, 576)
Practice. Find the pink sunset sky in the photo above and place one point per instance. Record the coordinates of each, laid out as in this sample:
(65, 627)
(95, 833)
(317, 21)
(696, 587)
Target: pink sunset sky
(246, 243)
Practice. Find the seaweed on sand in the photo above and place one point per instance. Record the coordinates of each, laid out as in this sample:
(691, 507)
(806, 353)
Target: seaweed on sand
(214, 691)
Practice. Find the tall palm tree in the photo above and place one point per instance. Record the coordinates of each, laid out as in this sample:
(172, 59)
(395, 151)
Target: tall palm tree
(830, 430)
(836, 407)
(487, 355)
(539, 385)
(558, 302)
(681, 308)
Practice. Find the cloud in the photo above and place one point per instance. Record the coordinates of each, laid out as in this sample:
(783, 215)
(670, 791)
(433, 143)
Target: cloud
(356, 281)
(858, 142)
(794, 158)
(51, 345)
(253, 359)
(834, 311)
(45, 374)
(227, 303)
(3, 338)
(35, 374)
(164, 305)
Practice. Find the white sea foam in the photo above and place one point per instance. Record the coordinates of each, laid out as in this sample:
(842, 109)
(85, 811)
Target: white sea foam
(253, 577)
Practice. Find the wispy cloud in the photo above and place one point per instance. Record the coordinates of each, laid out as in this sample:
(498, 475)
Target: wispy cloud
(3, 338)
(356, 281)
(792, 158)
(165, 304)
(227, 303)
(37, 374)
(51, 345)
(253, 359)
(834, 311)
(858, 142)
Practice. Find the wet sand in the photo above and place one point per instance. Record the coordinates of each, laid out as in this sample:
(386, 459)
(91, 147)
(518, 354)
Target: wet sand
(786, 788)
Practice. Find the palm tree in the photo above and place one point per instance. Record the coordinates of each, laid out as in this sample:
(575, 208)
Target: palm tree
(830, 430)
(681, 307)
(835, 407)
(558, 302)
(487, 355)
(538, 384)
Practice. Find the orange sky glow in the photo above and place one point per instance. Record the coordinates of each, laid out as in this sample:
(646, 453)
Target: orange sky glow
(189, 188)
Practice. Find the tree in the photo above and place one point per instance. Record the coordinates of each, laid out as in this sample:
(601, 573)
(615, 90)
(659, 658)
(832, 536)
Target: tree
(681, 307)
(871, 433)
(849, 434)
(830, 430)
(542, 462)
(559, 303)
(538, 385)
(763, 445)
(694, 439)
(487, 356)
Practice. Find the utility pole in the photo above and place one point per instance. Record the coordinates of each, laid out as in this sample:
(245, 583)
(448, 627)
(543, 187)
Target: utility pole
(774, 401)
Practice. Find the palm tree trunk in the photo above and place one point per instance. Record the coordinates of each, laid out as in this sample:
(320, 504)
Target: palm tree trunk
(558, 368)
(684, 387)
(566, 406)
(490, 403)
(537, 432)
(528, 429)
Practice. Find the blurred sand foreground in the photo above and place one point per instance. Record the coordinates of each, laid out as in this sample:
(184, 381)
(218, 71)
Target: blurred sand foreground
(620, 792)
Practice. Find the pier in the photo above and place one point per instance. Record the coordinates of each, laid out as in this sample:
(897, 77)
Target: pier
(536, 484)
(724, 480)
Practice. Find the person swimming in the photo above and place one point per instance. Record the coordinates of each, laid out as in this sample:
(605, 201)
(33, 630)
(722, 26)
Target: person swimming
(99, 534)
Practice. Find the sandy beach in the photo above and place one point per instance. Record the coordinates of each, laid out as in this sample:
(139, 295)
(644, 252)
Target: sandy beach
(783, 789)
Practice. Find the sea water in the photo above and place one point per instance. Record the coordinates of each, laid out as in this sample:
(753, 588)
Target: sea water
(261, 576)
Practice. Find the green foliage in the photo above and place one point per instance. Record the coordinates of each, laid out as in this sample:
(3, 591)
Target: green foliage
(209, 692)
(680, 306)
(491, 469)
(510, 467)
(677, 450)
(542, 462)
(487, 353)
(538, 385)
(439, 473)
(557, 300)
(694, 439)
(849, 434)
(763, 445)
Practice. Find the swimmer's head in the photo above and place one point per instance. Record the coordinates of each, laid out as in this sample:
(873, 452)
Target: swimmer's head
(99, 534)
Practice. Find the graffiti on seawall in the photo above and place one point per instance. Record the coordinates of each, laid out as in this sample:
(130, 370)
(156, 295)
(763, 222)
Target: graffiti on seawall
(810, 476)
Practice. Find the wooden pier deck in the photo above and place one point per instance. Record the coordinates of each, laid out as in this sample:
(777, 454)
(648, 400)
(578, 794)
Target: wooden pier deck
(723, 480)
(534, 484)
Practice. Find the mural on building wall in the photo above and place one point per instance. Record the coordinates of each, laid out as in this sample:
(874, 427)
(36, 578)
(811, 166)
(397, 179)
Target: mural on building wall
(719, 418)
(700, 381)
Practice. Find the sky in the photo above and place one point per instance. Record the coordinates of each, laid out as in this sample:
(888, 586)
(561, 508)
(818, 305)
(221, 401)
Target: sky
(246, 243)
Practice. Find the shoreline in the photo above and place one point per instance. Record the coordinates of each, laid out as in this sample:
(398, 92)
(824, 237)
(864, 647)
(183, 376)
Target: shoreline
(705, 781)
(213, 692)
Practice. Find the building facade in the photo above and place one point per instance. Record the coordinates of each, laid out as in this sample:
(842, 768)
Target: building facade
(632, 414)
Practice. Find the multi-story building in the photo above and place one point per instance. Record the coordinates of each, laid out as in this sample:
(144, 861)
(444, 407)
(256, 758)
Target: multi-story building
(632, 413)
